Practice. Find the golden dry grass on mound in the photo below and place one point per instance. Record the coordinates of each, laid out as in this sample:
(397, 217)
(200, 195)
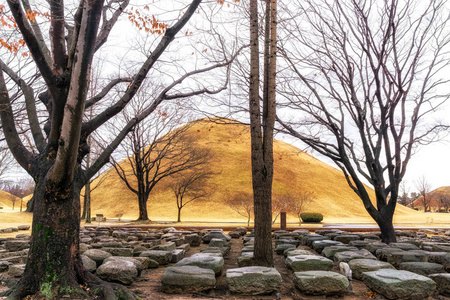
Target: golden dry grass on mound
(230, 143)
(436, 198)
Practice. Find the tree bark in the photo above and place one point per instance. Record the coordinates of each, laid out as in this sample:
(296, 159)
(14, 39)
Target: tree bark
(262, 144)
(143, 214)
(54, 265)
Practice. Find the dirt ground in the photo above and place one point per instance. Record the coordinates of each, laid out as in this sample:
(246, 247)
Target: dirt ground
(148, 286)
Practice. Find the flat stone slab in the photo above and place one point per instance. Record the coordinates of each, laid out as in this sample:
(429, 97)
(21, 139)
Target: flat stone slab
(160, 256)
(358, 266)
(16, 270)
(245, 259)
(321, 283)
(320, 245)
(181, 279)
(215, 234)
(214, 263)
(346, 256)
(330, 251)
(443, 283)
(253, 280)
(346, 238)
(118, 270)
(404, 246)
(398, 284)
(294, 252)
(97, 255)
(308, 263)
(282, 247)
(422, 268)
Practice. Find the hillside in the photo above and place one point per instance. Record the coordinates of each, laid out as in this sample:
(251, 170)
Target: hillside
(6, 203)
(439, 197)
(230, 143)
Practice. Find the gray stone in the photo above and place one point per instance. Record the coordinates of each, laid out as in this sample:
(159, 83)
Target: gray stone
(404, 246)
(215, 234)
(330, 251)
(97, 255)
(193, 239)
(346, 256)
(222, 251)
(443, 283)
(205, 261)
(373, 247)
(282, 247)
(321, 283)
(398, 284)
(177, 255)
(118, 270)
(119, 251)
(88, 263)
(16, 270)
(248, 248)
(182, 279)
(346, 238)
(221, 243)
(294, 252)
(16, 245)
(320, 245)
(396, 258)
(253, 280)
(358, 266)
(137, 263)
(245, 259)
(162, 257)
(4, 266)
(184, 247)
(23, 227)
(422, 268)
(170, 246)
(145, 261)
(308, 263)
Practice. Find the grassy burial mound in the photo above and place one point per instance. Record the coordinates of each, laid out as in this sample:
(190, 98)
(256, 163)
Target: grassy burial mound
(229, 142)
(7, 203)
(438, 199)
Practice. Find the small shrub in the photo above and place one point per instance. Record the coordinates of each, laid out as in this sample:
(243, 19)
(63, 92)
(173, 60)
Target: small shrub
(311, 217)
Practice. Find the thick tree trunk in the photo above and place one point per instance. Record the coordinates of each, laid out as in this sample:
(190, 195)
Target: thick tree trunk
(54, 266)
(143, 214)
(179, 214)
(387, 227)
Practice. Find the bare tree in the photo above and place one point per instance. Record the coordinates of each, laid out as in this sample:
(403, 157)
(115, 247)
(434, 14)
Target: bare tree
(363, 78)
(261, 128)
(61, 47)
(423, 188)
(242, 203)
(192, 185)
(443, 202)
(156, 149)
(280, 203)
(300, 202)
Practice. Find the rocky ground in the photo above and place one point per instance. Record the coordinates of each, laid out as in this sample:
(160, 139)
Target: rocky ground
(146, 252)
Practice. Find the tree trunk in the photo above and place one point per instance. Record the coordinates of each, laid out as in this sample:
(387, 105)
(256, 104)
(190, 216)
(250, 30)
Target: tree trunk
(143, 215)
(179, 214)
(30, 204)
(87, 201)
(387, 230)
(54, 265)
